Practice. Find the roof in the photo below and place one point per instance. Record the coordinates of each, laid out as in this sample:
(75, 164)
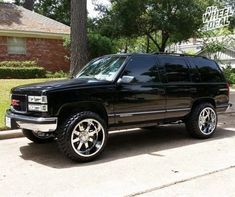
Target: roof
(225, 55)
(18, 20)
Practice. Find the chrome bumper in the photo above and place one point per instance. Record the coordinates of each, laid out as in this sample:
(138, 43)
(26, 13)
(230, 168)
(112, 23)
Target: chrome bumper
(31, 123)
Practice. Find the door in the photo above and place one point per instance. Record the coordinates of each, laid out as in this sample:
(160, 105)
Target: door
(142, 99)
(177, 81)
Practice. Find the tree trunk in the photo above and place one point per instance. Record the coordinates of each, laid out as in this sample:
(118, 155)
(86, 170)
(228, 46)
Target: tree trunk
(79, 56)
(28, 4)
(147, 44)
(153, 40)
(165, 37)
(126, 45)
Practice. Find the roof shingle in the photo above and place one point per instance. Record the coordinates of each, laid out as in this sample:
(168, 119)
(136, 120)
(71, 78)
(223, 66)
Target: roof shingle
(17, 18)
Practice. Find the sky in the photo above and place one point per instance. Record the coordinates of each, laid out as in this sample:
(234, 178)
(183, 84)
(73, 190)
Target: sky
(90, 6)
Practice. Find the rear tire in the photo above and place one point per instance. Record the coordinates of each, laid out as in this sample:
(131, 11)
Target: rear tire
(202, 121)
(34, 137)
(83, 136)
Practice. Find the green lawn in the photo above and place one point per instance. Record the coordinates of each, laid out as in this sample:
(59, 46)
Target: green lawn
(5, 87)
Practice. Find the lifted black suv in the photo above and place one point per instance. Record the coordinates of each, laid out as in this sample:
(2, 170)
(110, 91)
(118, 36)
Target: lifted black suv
(117, 92)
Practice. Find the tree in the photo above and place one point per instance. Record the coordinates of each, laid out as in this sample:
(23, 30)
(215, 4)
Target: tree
(78, 35)
(98, 45)
(28, 4)
(161, 21)
(58, 10)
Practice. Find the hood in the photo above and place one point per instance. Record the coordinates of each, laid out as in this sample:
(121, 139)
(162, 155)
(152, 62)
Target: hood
(39, 88)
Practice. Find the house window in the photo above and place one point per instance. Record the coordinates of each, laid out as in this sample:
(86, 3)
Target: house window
(16, 46)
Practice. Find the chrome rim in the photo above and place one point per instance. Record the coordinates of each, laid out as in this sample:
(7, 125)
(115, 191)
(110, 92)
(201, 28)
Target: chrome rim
(87, 137)
(207, 121)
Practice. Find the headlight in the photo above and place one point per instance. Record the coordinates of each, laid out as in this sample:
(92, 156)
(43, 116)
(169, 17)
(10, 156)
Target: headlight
(37, 107)
(37, 99)
(37, 103)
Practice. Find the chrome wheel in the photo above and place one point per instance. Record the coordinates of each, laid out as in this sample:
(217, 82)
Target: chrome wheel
(87, 137)
(207, 121)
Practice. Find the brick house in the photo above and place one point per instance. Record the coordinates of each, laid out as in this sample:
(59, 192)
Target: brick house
(26, 35)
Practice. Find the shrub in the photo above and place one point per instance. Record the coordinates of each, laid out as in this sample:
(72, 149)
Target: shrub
(22, 72)
(58, 74)
(18, 64)
(26, 70)
(98, 45)
(229, 74)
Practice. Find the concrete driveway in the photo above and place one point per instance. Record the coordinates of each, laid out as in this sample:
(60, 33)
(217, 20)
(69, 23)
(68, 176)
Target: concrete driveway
(161, 162)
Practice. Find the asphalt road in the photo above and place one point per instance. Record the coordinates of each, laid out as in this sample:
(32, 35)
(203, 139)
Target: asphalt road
(161, 162)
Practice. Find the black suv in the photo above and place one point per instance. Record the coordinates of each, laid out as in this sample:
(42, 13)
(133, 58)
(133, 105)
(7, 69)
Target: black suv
(118, 92)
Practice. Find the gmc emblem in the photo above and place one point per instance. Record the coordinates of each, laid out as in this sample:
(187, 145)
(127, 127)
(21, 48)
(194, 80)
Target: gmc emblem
(15, 102)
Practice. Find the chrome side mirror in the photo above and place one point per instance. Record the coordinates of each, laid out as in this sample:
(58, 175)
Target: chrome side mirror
(126, 79)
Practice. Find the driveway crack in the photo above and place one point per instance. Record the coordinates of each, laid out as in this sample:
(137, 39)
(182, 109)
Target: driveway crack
(180, 181)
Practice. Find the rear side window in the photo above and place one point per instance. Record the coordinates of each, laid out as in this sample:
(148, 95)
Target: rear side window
(143, 68)
(208, 69)
(176, 68)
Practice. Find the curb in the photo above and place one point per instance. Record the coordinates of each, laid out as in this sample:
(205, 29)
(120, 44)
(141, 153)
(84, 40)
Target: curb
(9, 134)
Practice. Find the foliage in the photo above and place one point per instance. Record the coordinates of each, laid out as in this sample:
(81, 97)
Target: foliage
(190, 52)
(214, 47)
(25, 70)
(22, 72)
(57, 74)
(18, 64)
(98, 45)
(229, 74)
(216, 41)
(161, 21)
(58, 10)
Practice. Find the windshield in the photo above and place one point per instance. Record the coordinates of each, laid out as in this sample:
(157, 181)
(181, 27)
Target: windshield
(104, 68)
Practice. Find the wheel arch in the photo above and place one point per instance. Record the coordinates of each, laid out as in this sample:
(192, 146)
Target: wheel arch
(91, 106)
(203, 100)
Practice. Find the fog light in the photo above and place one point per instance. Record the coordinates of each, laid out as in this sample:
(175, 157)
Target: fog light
(39, 108)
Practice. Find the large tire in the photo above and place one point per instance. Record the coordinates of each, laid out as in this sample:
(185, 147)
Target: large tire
(34, 137)
(83, 136)
(202, 121)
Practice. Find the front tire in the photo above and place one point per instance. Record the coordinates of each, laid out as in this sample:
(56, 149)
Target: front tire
(83, 136)
(202, 121)
(36, 138)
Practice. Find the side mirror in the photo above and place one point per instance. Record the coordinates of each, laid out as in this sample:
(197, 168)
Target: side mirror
(126, 79)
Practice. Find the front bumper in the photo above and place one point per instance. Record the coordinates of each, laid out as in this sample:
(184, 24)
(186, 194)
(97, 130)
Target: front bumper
(15, 121)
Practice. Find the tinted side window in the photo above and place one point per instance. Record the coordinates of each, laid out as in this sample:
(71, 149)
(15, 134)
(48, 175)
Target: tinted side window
(143, 68)
(176, 68)
(209, 71)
